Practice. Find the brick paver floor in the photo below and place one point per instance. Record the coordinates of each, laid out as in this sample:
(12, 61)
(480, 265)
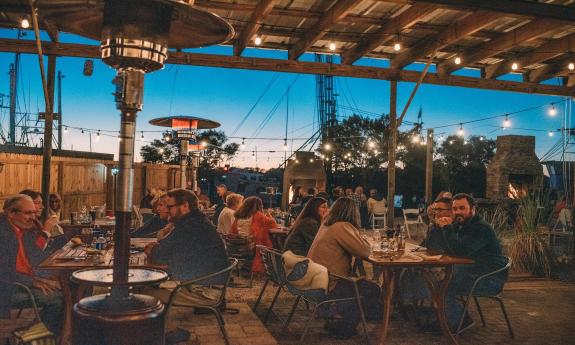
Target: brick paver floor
(541, 312)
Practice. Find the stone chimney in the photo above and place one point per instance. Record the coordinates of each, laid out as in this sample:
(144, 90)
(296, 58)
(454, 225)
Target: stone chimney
(305, 171)
(515, 169)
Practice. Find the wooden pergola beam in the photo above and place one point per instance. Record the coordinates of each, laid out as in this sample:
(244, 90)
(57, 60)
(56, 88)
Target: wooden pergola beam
(454, 32)
(332, 16)
(549, 71)
(392, 27)
(291, 66)
(544, 52)
(522, 8)
(263, 8)
(526, 32)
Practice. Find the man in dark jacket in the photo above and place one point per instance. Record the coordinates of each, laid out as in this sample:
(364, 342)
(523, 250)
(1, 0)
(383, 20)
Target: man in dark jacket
(468, 235)
(193, 248)
(20, 253)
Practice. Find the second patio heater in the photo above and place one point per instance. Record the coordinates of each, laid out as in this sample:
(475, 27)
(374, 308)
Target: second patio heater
(135, 36)
(185, 129)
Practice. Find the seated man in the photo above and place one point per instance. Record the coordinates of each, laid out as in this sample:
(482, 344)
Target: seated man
(157, 222)
(468, 235)
(20, 253)
(193, 248)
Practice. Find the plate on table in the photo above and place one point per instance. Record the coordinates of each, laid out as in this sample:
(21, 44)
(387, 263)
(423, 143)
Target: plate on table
(410, 258)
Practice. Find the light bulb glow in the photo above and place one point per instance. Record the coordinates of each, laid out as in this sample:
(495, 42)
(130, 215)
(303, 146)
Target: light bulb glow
(24, 23)
(415, 139)
(204, 143)
(258, 40)
(551, 133)
(161, 151)
(397, 46)
(142, 136)
(506, 123)
(119, 138)
(243, 144)
(461, 132)
(457, 60)
(571, 66)
(552, 111)
(371, 144)
(514, 66)
(332, 46)
(311, 160)
(327, 146)
(65, 130)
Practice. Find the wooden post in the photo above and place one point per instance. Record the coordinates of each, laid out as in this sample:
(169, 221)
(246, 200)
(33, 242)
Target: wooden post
(392, 144)
(48, 122)
(429, 167)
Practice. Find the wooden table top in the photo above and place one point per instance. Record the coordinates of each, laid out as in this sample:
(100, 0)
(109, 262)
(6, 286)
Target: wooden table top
(411, 257)
(71, 257)
(102, 222)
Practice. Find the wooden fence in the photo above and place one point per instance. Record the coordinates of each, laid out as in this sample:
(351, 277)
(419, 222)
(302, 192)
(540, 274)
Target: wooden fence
(80, 178)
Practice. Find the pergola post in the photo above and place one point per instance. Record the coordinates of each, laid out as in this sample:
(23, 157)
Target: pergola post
(392, 144)
(429, 167)
(47, 147)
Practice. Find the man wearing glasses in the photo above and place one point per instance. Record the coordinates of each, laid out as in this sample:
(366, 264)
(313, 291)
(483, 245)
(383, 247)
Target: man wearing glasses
(20, 254)
(193, 248)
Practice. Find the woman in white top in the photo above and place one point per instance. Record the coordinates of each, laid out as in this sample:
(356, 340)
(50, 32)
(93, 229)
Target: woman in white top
(374, 206)
(226, 217)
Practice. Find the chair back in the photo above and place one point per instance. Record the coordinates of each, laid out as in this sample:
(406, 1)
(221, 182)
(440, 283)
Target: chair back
(273, 264)
(238, 246)
(411, 216)
(138, 219)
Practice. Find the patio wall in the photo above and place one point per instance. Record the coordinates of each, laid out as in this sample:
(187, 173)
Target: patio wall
(81, 178)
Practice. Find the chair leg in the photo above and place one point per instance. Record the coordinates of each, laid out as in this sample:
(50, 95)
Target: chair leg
(19, 313)
(498, 299)
(273, 303)
(221, 323)
(361, 313)
(479, 310)
(465, 305)
(307, 324)
(260, 295)
(288, 320)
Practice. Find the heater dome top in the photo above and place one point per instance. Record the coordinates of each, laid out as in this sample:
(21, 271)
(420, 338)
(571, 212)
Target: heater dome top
(183, 121)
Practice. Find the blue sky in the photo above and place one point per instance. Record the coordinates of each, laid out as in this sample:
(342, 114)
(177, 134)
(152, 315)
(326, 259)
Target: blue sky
(226, 95)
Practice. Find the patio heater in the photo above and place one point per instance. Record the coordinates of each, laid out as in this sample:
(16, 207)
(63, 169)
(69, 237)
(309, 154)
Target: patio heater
(185, 129)
(135, 36)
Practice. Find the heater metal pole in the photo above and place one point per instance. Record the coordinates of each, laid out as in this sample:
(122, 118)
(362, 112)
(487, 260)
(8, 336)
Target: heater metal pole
(183, 162)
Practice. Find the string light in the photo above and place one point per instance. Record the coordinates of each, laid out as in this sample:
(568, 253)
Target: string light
(24, 22)
(552, 111)
(514, 66)
(415, 139)
(203, 143)
(119, 138)
(506, 122)
(370, 144)
(167, 137)
(161, 150)
(375, 152)
(65, 130)
(332, 46)
(457, 60)
(551, 133)
(254, 154)
(98, 135)
(571, 66)
(397, 46)
(285, 145)
(461, 132)
(142, 136)
(311, 160)
(243, 144)
(82, 131)
(258, 40)
(296, 161)
(450, 142)
(481, 138)
(327, 159)
(327, 146)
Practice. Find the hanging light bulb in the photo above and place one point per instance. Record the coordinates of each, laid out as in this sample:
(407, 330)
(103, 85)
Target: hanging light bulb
(98, 135)
(161, 151)
(461, 132)
(450, 142)
(457, 60)
(506, 122)
(551, 133)
(397, 46)
(258, 40)
(311, 160)
(481, 138)
(375, 152)
(24, 22)
(203, 143)
(119, 138)
(370, 144)
(167, 137)
(254, 154)
(142, 136)
(571, 66)
(415, 139)
(332, 46)
(285, 145)
(65, 130)
(514, 66)
(552, 110)
(243, 144)
(296, 161)
(327, 159)
(82, 131)
(327, 146)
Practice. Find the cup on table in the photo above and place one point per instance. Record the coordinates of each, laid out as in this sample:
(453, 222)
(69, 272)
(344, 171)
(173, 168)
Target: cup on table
(87, 236)
(93, 215)
(74, 218)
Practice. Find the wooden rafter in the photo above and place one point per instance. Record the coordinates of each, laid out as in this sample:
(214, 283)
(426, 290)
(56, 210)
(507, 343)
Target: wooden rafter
(544, 52)
(523, 8)
(290, 66)
(392, 27)
(549, 71)
(454, 32)
(263, 8)
(332, 16)
(526, 32)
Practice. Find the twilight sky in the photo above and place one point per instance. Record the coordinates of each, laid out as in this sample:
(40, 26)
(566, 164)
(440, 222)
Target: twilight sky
(227, 95)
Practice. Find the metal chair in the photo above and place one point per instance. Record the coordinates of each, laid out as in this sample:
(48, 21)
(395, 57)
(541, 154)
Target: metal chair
(376, 218)
(476, 296)
(317, 302)
(213, 307)
(411, 216)
(273, 270)
(242, 249)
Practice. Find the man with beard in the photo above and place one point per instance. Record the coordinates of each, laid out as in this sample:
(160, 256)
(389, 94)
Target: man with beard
(20, 253)
(469, 236)
(193, 248)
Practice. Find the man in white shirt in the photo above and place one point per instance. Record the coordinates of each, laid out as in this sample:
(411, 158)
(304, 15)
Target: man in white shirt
(226, 217)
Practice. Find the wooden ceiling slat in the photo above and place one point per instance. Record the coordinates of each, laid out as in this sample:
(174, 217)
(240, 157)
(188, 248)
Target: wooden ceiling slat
(454, 32)
(544, 52)
(263, 8)
(527, 32)
(332, 16)
(265, 64)
(392, 27)
(549, 70)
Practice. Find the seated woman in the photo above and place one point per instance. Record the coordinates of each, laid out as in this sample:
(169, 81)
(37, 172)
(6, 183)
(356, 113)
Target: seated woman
(305, 227)
(337, 242)
(226, 217)
(157, 222)
(252, 222)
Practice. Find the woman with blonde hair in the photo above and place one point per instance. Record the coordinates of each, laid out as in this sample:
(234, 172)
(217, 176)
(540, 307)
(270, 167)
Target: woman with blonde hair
(337, 242)
(251, 221)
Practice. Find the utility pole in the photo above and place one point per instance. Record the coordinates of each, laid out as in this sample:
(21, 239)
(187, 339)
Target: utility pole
(13, 98)
(429, 167)
(392, 144)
